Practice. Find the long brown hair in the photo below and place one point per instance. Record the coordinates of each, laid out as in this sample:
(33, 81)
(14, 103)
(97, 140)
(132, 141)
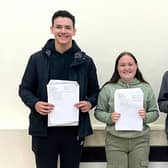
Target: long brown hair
(115, 76)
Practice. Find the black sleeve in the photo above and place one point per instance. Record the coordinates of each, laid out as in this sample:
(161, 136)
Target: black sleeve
(28, 86)
(163, 94)
(93, 86)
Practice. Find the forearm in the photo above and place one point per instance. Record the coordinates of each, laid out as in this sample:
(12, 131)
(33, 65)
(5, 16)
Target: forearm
(103, 117)
(151, 116)
(27, 97)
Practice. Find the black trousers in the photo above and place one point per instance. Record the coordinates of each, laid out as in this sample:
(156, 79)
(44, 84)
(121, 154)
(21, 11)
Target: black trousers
(62, 142)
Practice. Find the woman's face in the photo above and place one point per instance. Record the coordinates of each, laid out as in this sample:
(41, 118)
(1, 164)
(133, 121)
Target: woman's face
(127, 68)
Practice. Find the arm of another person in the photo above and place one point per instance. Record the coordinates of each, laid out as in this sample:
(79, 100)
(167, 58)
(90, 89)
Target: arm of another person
(163, 94)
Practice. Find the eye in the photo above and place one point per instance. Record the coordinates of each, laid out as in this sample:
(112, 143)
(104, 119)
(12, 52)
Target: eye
(68, 27)
(122, 65)
(57, 27)
(130, 64)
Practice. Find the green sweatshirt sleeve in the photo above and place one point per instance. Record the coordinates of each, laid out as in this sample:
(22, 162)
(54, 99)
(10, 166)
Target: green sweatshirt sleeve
(102, 112)
(152, 110)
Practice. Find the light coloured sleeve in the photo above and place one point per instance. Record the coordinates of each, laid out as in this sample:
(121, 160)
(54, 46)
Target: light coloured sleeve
(152, 110)
(102, 109)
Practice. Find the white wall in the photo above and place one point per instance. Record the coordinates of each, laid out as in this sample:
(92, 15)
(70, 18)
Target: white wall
(104, 29)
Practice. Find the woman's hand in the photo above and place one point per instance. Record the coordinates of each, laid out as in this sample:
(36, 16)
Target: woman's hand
(115, 116)
(142, 113)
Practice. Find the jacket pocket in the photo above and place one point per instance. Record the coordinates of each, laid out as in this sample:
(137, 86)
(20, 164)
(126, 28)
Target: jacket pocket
(38, 124)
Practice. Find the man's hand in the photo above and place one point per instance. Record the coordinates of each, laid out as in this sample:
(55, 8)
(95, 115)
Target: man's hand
(43, 108)
(84, 106)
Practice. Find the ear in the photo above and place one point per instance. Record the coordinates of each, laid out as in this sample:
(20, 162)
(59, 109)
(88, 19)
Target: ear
(51, 29)
(74, 31)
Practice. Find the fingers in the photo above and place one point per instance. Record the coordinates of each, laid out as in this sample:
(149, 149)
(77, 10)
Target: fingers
(142, 113)
(115, 116)
(43, 108)
(84, 106)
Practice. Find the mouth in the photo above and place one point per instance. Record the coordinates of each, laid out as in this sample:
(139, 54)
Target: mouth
(63, 36)
(127, 72)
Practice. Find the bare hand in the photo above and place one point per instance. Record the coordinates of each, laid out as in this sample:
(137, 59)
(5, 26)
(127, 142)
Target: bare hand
(115, 116)
(142, 113)
(43, 108)
(84, 106)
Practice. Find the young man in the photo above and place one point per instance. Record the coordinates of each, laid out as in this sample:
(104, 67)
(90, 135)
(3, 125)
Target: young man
(60, 59)
(163, 98)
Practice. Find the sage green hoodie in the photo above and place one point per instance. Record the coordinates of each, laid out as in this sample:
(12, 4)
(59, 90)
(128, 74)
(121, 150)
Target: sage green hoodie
(105, 107)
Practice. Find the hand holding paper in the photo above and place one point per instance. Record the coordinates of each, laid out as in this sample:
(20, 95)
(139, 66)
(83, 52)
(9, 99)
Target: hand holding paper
(84, 106)
(115, 116)
(142, 113)
(43, 108)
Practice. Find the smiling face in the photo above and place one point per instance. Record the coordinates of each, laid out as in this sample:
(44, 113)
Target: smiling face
(127, 68)
(63, 30)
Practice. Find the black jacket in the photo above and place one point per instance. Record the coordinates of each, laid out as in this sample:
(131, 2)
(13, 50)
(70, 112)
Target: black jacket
(163, 98)
(34, 81)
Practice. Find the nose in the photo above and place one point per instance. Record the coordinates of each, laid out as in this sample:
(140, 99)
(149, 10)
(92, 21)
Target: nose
(63, 30)
(127, 67)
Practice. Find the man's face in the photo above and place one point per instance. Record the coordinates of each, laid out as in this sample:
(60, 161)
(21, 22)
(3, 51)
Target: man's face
(63, 30)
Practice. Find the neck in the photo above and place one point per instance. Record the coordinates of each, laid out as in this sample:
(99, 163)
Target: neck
(62, 48)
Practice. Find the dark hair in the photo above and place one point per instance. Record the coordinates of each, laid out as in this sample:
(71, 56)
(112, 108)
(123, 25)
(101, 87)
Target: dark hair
(115, 77)
(63, 13)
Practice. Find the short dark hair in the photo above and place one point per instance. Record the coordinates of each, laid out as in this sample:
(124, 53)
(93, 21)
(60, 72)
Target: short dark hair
(63, 13)
(115, 76)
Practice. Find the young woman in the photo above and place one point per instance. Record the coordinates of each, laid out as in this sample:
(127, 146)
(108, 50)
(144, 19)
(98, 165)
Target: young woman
(128, 148)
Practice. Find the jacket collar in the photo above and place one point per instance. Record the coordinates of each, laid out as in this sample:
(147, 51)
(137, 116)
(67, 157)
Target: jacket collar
(49, 47)
(79, 58)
